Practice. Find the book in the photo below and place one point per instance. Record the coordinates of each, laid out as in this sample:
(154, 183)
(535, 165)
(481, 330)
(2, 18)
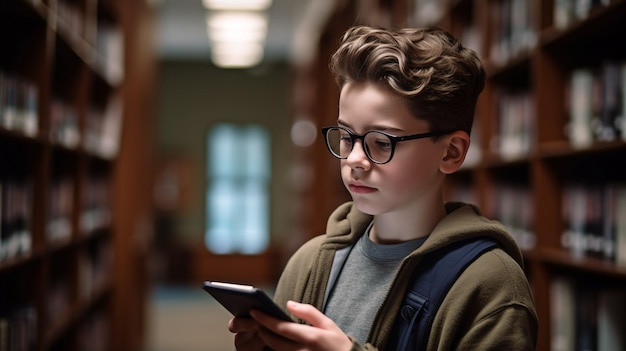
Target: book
(581, 108)
(574, 216)
(562, 314)
(609, 221)
(621, 122)
(620, 225)
(586, 319)
(611, 320)
(610, 104)
(515, 124)
(563, 13)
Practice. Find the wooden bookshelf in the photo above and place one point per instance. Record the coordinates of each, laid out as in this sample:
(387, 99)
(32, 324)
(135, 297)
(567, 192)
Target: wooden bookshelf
(530, 61)
(61, 130)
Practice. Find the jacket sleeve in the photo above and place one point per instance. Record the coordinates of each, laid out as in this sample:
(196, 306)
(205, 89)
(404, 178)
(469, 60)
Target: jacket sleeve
(297, 273)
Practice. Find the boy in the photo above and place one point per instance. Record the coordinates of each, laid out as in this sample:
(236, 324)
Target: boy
(405, 113)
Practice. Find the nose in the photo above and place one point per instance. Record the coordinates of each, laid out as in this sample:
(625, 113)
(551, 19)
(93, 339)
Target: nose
(357, 157)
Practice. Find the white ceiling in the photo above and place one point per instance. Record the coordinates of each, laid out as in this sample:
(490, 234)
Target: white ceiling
(293, 24)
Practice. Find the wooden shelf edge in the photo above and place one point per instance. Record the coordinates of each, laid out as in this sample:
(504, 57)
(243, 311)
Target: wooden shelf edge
(545, 151)
(562, 258)
(563, 148)
(19, 260)
(551, 35)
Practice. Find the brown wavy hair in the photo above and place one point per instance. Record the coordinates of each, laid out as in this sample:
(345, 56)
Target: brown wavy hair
(438, 78)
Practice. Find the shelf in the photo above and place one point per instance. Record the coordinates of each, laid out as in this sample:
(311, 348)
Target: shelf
(602, 22)
(495, 162)
(60, 86)
(29, 9)
(19, 137)
(18, 261)
(563, 259)
(514, 72)
(589, 41)
(564, 150)
(77, 311)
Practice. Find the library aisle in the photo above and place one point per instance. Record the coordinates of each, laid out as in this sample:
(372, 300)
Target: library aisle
(186, 319)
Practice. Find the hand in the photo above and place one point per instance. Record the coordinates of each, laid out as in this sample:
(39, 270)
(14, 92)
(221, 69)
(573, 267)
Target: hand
(321, 335)
(246, 334)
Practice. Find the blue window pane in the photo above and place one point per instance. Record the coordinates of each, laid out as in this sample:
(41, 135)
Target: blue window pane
(222, 202)
(257, 152)
(255, 224)
(237, 198)
(223, 151)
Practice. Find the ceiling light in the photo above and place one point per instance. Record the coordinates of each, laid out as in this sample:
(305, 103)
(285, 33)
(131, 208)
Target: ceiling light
(236, 37)
(237, 22)
(232, 56)
(254, 5)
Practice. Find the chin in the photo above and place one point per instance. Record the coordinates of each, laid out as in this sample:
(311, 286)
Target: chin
(367, 207)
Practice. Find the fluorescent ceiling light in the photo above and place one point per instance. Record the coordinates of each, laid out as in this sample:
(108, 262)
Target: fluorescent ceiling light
(237, 22)
(236, 36)
(255, 5)
(237, 50)
(231, 55)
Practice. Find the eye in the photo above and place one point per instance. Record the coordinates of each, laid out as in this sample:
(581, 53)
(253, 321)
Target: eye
(380, 141)
(344, 137)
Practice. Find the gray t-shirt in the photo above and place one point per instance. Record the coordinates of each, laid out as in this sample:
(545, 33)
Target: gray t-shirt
(363, 284)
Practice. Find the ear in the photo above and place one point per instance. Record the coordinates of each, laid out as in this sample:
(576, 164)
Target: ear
(457, 145)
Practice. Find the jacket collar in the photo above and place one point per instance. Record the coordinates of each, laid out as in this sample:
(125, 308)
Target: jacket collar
(464, 221)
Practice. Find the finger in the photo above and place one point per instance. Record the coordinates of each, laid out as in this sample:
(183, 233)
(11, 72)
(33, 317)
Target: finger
(310, 314)
(238, 325)
(273, 330)
(269, 333)
(322, 334)
(249, 341)
(277, 342)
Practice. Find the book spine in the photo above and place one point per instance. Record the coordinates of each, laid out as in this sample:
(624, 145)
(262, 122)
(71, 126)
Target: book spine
(586, 312)
(611, 320)
(620, 230)
(562, 311)
(593, 221)
(621, 123)
(610, 102)
(581, 110)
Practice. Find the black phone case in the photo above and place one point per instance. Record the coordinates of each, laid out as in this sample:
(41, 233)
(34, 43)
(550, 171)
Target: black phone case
(240, 302)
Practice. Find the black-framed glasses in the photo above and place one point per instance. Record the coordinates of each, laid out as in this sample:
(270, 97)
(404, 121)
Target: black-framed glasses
(378, 146)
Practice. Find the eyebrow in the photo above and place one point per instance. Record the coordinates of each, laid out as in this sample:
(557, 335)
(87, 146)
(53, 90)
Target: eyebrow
(373, 127)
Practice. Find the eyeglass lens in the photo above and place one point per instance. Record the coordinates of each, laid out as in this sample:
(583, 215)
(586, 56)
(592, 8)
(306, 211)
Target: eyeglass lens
(377, 145)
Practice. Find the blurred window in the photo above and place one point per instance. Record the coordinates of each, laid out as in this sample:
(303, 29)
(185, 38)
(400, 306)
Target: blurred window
(237, 195)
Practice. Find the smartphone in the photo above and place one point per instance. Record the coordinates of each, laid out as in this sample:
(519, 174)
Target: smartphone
(240, 299)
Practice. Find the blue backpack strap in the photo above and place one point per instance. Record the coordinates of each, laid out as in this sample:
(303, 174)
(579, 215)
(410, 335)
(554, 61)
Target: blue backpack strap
(432, 279)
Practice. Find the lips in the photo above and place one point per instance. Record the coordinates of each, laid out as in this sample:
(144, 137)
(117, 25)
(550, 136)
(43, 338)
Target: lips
(360, 188)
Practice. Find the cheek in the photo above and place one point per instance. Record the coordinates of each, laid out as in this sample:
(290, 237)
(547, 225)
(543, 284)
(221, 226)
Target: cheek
(405, 180)
(411, 172)
(345, 171)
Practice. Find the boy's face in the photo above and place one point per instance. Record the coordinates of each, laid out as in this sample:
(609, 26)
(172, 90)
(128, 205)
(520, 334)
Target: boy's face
(412, 179)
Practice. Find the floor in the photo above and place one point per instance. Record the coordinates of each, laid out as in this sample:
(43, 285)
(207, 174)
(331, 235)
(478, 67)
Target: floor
(187, 319)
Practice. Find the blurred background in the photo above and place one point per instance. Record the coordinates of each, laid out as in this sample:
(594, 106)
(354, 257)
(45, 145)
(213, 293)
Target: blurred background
(226, 135)
(229, 136)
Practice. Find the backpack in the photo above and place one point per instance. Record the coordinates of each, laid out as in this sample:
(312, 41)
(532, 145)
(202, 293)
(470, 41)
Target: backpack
(430, 283)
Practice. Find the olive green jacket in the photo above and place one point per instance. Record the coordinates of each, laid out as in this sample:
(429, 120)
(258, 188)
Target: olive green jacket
(490, 306)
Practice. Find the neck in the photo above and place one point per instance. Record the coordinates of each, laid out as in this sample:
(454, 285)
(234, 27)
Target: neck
(410, 224)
